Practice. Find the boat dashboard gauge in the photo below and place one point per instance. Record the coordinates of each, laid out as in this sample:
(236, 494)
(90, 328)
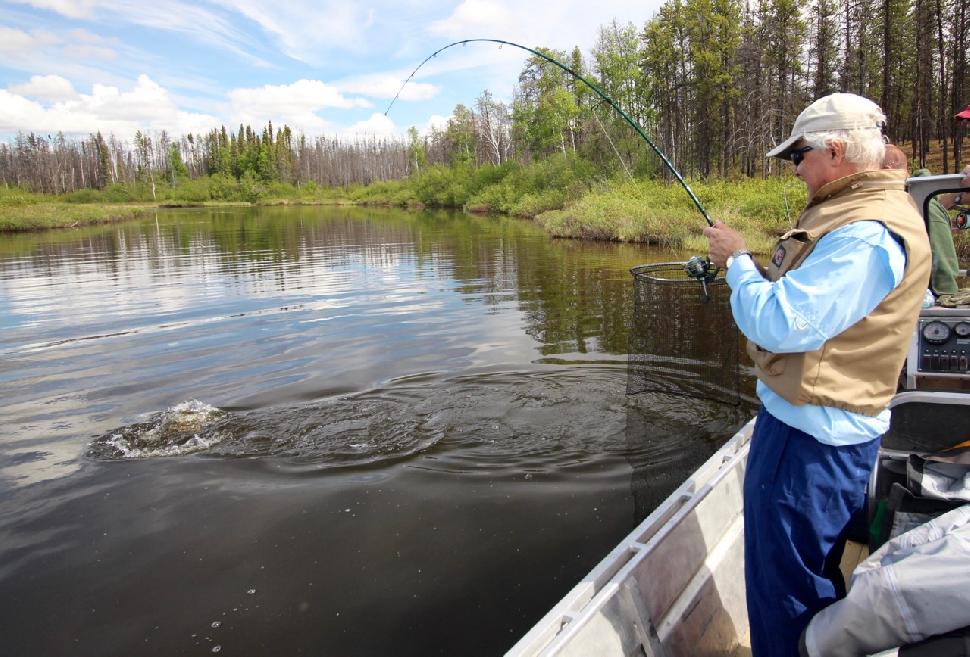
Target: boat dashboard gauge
(962, 330)
(936, 332)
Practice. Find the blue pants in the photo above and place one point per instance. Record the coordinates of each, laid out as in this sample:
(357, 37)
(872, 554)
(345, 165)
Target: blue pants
(799, 497)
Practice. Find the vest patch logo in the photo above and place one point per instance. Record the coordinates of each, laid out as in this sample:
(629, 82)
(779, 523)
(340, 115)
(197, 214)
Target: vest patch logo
(778, 256)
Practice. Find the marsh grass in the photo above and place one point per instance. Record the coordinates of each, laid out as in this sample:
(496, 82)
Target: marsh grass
(565, 195)
(661, 213)
(21, 211)
(24, 211)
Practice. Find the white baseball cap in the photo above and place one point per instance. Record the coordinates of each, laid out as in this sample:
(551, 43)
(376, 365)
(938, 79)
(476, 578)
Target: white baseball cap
(832, 112)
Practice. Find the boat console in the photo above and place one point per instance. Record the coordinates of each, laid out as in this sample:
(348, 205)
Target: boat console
(939, 354)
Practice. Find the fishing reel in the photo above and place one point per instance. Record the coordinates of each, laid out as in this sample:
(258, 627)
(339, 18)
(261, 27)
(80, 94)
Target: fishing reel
(703, 271)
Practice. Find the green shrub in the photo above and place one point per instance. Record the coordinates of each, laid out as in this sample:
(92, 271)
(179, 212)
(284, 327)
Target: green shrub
(192, 191)
(251, 189)
(83, 196)
(117, 193)
(531, 205)
(223, 187)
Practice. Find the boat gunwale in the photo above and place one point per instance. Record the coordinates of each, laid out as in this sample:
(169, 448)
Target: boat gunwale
(606, 579)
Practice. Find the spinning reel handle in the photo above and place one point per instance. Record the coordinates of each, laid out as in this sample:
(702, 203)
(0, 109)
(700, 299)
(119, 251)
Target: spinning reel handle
(702, 270)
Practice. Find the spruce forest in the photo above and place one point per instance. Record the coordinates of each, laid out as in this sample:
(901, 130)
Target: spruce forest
(715, 83)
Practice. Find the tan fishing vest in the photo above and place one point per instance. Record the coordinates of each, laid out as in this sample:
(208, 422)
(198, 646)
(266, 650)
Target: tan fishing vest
(858, 369)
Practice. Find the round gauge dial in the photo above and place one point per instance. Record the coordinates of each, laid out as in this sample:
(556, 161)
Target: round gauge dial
(936, 332)
(962, 330)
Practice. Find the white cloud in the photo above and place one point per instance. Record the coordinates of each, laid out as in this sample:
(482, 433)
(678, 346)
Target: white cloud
(295, 104)
(18, 42)
(12, 40)
(301, 94)
(80, 34)
(89, 52)
(51, 88)
(190, 18)
(49, 104)
(69, 8)
(87, 45)
(560, 25)
(146, 106)
(435, 122)
(474, 17)
(363, 50)
(386, 85)
(307, 29)
(377, 125)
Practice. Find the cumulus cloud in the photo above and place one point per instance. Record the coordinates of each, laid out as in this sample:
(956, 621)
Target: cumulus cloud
(49, 104)
(345, 41)
(146, 106)
(377, 125)
(302, 94)
(295, 104)
(386, 85)
(52, 88)
(435, 122)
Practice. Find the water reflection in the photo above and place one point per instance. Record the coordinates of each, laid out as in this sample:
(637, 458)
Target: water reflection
(250, 308)
(421, 416)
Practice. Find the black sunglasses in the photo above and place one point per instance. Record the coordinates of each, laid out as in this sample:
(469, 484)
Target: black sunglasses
(796, 156)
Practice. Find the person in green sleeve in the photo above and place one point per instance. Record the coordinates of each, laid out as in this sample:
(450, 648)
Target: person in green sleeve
(946, 268)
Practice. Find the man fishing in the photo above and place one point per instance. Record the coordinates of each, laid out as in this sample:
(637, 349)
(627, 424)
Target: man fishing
(828, 322)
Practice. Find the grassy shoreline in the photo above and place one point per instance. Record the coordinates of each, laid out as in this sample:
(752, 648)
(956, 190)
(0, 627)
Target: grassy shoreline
(560, 194)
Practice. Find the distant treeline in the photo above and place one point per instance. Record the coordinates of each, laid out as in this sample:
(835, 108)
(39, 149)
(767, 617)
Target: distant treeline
(715, 82)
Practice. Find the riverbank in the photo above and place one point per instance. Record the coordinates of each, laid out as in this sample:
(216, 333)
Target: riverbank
(21, 211)
(563, 195)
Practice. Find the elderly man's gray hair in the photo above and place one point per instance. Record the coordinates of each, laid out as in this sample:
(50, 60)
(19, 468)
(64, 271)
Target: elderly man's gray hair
(864, 147)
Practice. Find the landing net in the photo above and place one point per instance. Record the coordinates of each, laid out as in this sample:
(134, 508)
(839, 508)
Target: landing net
(681, 343)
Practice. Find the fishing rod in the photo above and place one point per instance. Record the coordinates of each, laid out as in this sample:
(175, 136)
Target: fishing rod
(599, 92)
(697, 267)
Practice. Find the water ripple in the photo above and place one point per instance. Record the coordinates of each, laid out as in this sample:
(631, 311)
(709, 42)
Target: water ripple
(537, 421)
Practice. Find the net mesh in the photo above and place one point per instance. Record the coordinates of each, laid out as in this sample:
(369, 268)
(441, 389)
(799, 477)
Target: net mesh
(681, 341)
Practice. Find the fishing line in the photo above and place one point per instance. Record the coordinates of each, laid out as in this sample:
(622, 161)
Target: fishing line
(636, 126)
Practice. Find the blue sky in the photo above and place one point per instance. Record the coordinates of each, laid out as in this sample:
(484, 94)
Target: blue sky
(324, 67)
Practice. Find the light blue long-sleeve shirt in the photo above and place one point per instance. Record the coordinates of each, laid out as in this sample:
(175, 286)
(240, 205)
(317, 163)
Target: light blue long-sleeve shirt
(844, 278)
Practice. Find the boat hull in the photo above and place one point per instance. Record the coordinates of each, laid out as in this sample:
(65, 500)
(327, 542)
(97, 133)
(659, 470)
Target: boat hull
(671, 587)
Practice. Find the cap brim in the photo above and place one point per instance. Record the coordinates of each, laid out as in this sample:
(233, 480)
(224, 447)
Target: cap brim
(782, 149)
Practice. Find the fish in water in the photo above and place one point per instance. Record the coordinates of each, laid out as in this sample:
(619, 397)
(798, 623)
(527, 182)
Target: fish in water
(176, 431)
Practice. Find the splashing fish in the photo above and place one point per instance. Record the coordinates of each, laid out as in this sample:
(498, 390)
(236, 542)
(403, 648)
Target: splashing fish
(176, 431)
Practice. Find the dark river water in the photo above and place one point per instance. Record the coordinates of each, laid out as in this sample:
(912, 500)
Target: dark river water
(318, 431)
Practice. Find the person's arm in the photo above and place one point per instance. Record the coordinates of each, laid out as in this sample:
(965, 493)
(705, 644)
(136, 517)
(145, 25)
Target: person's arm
(844, 278)
(946, 267)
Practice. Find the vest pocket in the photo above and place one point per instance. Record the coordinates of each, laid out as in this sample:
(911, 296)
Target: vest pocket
(771, 363)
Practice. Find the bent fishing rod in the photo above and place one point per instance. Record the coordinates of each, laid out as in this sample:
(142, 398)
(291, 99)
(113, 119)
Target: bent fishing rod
(599, 92)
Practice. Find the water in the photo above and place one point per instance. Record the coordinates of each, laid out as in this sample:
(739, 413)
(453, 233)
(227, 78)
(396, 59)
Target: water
(317, 431)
